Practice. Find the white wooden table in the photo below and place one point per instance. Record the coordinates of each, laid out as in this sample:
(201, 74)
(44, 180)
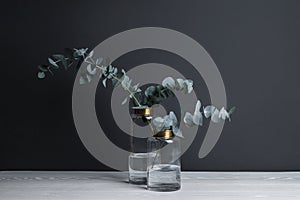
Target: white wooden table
(113, 185)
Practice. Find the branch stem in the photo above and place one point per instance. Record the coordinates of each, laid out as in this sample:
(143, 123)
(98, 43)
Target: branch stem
(119, 80)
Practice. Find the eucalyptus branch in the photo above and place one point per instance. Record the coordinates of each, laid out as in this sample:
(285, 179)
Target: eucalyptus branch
(56, 59)
(117, 79)
(131, 93)
(152, 95)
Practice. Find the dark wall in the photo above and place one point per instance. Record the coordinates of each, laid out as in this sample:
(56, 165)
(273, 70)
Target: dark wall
(254, 43)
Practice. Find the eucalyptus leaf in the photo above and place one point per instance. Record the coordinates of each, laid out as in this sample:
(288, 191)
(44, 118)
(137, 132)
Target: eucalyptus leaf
(90, 70)
(124, 101)
(99, 61)
(209, 110)
(135, 88)
(53, 63)
(104, 82)
(179, 84)
(110, 68)
(163, 95)
(62, 59)
(173, 118)
(158, 123)
(115, 83)
(150, 90)
(198, 118)
(79, 52)
(188, 119)
(126, 82)
(115, 71)
(91, 54)
(232, 110)
(43, 68)
(215, 116)
(58, 56)
(89, 78)
(82, 80)
(188, 86)
(41, 75)
(139, 97)
(110, 76)
(177, 132)
(169, 82)
(223, 114)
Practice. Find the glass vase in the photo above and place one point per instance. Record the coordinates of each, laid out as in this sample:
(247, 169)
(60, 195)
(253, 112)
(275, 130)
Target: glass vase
(163, 169)
(141, 117)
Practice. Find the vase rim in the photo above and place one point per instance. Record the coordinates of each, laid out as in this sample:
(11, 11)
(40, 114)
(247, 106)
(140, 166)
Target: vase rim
(166, 134)
(142, 110)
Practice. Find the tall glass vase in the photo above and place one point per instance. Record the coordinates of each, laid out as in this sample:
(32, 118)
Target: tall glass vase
(163, 169)
(141, 117)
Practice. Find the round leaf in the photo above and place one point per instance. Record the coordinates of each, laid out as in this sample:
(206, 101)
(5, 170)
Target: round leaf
(41, 75)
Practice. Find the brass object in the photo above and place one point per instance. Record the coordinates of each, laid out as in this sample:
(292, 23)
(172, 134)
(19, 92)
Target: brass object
(166, 134)
(143, 111)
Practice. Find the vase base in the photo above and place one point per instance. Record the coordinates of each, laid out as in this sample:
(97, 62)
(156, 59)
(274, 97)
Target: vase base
(138, 181)
(164, 187)
(164, 177)
(138, 168)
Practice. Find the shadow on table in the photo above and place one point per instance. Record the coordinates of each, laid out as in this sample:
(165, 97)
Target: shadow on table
(117, 177)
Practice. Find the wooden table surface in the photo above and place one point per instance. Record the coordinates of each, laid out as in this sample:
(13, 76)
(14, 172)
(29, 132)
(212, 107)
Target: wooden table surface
(113, 185)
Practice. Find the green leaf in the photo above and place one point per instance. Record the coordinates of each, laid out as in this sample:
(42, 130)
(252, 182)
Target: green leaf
(158, 89)
(104, 82)
(58, 56)
(82, 80)
(76, 54)
(150, 90)
(91, 54)
(231, 111)
(167, 93)
(62, 59)
(99, 61)
(163, 95)
(41, 75)
(115, 82)
(79, 52)
(90, 70)
(53, 63)
(139, 97)
(89, 78)
(124, 101)
(43, 68)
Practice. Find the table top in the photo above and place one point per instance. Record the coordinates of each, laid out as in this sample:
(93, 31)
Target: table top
(114, 185)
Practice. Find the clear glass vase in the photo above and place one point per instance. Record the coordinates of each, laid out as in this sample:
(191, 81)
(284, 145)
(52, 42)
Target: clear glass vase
(137, 161)
(163, 169)
(137, 168)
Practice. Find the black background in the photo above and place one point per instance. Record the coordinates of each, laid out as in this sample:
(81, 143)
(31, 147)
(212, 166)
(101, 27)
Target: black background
(255, 45)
